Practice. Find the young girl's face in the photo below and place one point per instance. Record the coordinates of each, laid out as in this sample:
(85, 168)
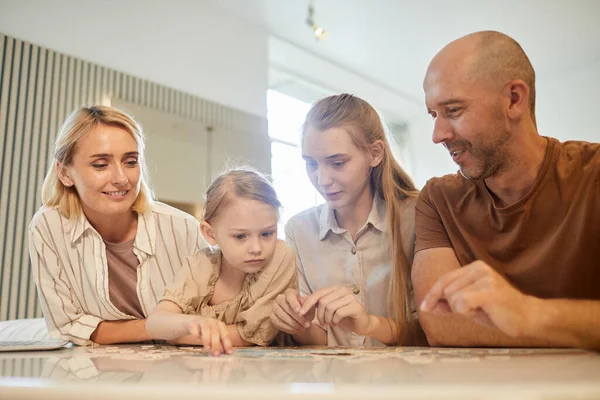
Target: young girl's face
(337, 168)
(246, 232)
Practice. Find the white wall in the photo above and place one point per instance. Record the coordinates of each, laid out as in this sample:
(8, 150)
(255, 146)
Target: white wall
(568, 104)
(207, 52)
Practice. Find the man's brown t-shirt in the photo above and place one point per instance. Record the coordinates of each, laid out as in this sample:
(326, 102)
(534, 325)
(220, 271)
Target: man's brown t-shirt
(547, 244)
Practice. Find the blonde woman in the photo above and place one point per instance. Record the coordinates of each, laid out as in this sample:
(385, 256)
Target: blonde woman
(354, 252)
(102, 251)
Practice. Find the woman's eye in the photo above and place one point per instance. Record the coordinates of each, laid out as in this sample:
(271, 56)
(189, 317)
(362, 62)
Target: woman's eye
(132, 163)
(99, 166)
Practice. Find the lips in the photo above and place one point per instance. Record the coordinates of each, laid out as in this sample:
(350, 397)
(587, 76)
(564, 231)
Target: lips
(455, 154)
(257, 261)
(333, 195)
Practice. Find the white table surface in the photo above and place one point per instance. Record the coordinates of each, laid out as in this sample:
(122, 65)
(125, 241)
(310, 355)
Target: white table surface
(166, 372)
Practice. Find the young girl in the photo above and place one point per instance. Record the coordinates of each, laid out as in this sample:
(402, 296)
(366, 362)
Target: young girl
(358, 247)
(102, 250)
(223, 295)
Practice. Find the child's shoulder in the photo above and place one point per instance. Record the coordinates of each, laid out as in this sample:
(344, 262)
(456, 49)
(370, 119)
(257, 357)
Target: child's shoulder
(283, 250)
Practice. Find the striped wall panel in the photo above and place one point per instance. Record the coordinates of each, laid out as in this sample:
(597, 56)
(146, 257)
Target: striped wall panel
(38, 89)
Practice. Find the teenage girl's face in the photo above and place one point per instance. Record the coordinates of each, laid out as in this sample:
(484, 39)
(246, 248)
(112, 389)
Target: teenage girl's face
(337, 168)
(246, 232)
(105, 171)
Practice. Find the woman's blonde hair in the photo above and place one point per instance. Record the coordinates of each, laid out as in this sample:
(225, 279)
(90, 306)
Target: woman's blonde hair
(388, 180)
(75, 127)
(242, 182)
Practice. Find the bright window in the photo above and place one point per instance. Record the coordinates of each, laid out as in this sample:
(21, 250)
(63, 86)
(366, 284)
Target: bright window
(296, 193)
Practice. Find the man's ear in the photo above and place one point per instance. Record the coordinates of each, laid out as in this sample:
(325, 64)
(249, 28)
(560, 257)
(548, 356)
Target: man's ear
(518, 94)
(63, 174)
(208, 233)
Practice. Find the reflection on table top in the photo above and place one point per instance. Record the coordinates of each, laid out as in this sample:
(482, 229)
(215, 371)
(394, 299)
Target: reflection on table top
(135, 371)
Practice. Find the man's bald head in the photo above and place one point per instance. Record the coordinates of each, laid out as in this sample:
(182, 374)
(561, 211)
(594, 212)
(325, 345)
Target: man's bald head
(489, 58)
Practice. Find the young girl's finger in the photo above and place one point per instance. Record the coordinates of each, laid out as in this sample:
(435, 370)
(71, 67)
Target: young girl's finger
(225, 340)
(215, 338)
(206, 334)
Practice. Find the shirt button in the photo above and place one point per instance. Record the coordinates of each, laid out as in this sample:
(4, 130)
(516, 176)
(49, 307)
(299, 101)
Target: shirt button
(353, 251)
(355, 289)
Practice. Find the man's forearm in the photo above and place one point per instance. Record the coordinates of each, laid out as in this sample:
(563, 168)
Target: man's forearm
(456, 330)
(568, 323)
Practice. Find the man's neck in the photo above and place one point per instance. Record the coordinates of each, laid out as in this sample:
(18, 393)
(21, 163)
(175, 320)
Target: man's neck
(511, 184)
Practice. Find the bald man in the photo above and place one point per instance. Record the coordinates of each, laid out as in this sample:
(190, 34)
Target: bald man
(508, 249)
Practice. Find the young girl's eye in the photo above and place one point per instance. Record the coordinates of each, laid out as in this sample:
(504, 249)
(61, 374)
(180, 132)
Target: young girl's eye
(268, 234)
(240, 236)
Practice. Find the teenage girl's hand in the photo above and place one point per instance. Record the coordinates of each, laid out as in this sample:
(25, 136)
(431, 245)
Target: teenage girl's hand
(285, 313)
(337, 306)
(212, 332)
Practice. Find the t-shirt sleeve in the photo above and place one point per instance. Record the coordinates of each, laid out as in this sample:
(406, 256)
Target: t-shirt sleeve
(254, 324)
(429, 228)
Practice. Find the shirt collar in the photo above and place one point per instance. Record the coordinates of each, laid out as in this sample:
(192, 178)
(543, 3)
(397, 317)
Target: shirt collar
(376, 218)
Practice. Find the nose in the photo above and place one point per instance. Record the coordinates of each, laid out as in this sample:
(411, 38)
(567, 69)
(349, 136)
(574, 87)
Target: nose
(442, 130)
(119, 176)
(324, 178)
(255, 246)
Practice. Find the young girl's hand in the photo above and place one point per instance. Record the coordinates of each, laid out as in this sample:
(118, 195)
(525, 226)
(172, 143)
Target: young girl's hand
(212, 332)
(285, 313)
(335, 306)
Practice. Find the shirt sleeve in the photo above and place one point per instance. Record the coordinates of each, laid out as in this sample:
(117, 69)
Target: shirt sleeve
(303, 287)
(194, 239)
(65, 317)
(254, 324)
(185, 290)
(429, 228)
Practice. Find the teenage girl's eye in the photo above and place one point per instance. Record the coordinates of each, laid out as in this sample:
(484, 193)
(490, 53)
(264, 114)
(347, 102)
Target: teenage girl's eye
(240, 236)
(311, 166)
(338, 164)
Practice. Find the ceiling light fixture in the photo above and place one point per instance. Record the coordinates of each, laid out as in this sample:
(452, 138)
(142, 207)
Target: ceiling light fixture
(319, 31)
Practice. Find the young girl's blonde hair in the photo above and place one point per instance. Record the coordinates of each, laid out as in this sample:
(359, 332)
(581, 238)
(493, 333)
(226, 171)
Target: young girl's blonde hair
(75, 127)
(243, 182)
(388, 180)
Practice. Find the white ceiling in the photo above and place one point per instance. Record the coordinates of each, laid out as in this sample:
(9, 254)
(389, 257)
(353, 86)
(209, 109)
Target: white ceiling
(390, 42)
